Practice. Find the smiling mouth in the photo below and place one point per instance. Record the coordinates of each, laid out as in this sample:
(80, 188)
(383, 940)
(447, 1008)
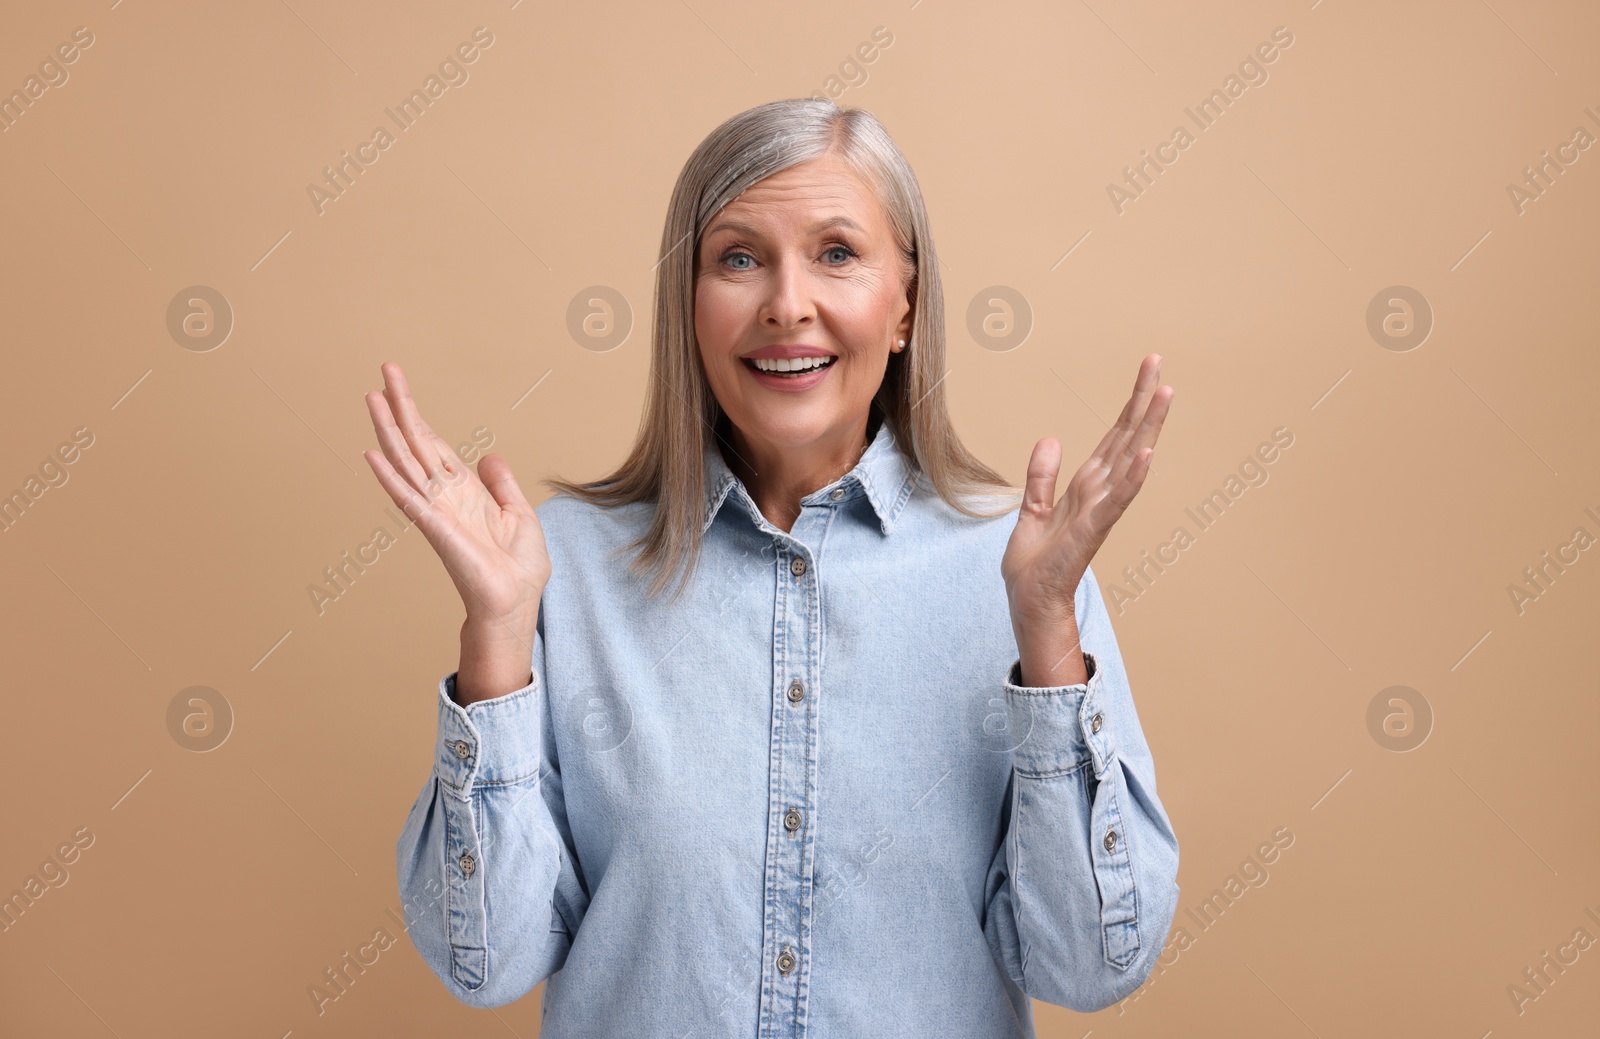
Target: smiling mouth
(790, 369)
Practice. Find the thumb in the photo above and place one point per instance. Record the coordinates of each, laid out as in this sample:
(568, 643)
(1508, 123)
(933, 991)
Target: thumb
(495, 472)
(1043, 466)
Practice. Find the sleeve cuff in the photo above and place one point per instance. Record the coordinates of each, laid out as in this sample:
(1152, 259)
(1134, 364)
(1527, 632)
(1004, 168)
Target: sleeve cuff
(1059, 727)
(493, 741)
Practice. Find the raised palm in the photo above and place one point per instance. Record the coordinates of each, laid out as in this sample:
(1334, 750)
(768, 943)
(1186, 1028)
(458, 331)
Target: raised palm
(1052, 544)
(479, 523)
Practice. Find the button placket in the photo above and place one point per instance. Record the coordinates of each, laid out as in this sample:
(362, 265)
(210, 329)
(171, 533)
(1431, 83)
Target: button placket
(1113, 869)
(790, 865)
(1099, 739)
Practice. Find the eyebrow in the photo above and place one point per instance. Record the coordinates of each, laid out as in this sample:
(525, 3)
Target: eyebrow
(821, 225)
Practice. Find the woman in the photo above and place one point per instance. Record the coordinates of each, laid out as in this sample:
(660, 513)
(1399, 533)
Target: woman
(874, 767)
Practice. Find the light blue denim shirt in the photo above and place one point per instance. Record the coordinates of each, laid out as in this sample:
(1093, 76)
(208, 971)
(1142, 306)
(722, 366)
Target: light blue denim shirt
(809, 799)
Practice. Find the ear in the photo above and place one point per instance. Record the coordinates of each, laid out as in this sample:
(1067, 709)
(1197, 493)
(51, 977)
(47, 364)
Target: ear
(903, 331)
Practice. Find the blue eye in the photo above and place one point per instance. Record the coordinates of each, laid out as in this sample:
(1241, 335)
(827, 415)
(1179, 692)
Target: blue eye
(849, 254)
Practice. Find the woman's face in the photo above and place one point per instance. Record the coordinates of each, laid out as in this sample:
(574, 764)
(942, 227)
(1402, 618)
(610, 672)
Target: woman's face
(802, 264)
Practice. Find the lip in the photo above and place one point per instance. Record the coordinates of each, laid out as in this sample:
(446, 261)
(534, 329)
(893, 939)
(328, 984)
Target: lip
(786, 352)
(790, 384)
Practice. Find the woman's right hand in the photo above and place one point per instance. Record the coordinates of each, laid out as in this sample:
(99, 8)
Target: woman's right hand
(484, 530)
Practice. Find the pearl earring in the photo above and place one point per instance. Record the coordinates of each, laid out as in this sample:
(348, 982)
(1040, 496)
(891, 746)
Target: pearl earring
(902, 343)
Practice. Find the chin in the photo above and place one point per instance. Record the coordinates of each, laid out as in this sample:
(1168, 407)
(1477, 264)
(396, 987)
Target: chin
(799, 430)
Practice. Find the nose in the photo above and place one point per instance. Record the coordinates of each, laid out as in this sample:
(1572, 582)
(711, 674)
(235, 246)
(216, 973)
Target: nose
(788, 303)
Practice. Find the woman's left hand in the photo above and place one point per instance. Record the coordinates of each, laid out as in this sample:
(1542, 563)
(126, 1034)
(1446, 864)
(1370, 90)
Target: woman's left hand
(1052, 544)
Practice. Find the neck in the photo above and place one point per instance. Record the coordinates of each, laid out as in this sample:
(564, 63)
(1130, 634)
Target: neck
(779, 475)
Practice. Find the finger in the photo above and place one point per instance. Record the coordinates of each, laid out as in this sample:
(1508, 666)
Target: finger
(1144, 386)
(394, 446)
(418, 434)
(1109, 509)
(1145, 437)
(1123, 491)
(1039, 493)
(1120, 434)
(435, 524)
(400, 455)
(495, 472)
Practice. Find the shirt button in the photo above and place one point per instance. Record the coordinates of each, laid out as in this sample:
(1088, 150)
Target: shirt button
(461, 749)
(838, 492)
(797, 691)
(798, 566)
(791, 820)
(467, 865)
(1111, 840)
(785, 961)
(1094, 723)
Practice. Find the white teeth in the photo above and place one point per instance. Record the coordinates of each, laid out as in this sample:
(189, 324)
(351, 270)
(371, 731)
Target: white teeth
(794, 365)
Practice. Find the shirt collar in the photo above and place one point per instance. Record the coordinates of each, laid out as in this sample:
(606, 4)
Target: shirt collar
(884, 476)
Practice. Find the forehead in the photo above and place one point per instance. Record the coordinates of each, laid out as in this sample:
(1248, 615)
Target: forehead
(800, 197)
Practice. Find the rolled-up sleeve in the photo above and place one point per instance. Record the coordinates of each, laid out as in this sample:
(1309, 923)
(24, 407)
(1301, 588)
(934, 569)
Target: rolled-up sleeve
(1083, 888)
(485, 860)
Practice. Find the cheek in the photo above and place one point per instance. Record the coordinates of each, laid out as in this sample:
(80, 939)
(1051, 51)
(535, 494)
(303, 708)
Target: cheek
(716, 317)
(866, 316)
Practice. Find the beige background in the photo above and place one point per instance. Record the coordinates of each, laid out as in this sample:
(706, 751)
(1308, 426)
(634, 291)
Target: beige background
(220, 885)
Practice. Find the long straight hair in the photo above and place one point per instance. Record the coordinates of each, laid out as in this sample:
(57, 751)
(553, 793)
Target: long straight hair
(666, 465)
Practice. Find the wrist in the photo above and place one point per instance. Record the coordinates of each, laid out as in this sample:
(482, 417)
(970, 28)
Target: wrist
(1051, 654)
(487, 629)
(496, 659)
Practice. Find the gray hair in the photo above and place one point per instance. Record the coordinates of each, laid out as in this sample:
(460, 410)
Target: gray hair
(682, 416)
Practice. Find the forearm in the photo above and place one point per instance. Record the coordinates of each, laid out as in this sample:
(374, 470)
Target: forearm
(1050, 652)
(495, 661)
(1088, 848)
(481, 862)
